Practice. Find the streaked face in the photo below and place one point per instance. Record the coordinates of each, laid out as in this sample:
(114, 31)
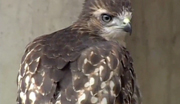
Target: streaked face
(108, 18)
(113, 25)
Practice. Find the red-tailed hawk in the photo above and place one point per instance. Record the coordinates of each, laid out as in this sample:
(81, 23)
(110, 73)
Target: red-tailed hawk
(83, 63)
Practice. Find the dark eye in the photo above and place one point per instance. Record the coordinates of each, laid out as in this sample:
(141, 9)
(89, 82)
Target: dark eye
(106, 18)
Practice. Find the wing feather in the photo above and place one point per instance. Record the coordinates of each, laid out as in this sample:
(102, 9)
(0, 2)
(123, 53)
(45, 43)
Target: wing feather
(40, 72)
(104, 74)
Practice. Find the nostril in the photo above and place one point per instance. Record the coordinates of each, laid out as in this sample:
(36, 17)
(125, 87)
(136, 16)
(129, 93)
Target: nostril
(124, 23)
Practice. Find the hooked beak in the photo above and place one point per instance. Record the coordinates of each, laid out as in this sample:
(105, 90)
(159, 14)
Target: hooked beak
(128, 28)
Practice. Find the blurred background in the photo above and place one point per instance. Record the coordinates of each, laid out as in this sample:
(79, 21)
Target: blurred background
(154, 44)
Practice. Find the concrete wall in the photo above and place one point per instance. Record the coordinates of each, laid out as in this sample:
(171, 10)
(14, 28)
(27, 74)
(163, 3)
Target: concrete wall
(155, 47)
(154, 44)
(20, 22)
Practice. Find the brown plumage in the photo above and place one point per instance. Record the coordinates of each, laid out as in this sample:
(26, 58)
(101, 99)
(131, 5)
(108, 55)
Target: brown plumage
(82, 64)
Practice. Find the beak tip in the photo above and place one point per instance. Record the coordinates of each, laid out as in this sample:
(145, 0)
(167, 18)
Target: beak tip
(128, 29)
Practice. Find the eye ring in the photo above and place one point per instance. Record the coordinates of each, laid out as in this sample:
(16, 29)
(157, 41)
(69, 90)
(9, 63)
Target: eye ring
(106, 18)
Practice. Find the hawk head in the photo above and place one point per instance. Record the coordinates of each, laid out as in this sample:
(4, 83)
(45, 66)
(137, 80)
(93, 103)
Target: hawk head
(108, 18)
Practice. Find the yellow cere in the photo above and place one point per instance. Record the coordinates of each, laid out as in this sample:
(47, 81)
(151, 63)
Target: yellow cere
(126, 20)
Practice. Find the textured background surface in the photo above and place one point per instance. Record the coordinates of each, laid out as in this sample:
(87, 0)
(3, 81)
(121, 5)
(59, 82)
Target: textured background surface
(154, 44)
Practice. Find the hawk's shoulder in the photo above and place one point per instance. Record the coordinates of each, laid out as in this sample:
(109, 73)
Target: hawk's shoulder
(46, 62)
(104, 72)
(61, 66)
